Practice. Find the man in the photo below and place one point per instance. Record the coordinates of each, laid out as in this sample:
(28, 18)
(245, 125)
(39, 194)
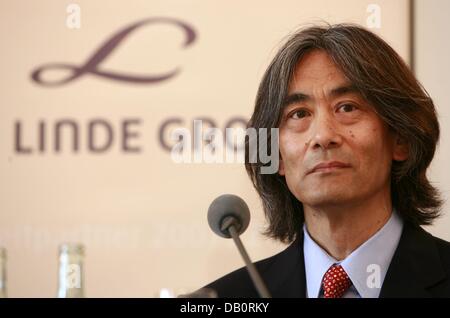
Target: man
(357, 133)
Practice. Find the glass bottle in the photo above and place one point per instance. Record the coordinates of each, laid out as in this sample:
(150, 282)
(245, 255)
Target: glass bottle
(3, 293)
(70, 274)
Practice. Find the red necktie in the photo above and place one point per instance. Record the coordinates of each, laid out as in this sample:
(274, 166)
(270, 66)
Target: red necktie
(335, 282)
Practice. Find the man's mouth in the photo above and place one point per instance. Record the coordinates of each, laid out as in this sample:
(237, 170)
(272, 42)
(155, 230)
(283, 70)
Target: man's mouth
(328, 166)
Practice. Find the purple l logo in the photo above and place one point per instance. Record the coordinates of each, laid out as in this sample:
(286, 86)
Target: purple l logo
(92, 64)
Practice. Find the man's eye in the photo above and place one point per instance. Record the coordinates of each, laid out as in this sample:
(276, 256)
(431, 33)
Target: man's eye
(299, 114)
(346, 108)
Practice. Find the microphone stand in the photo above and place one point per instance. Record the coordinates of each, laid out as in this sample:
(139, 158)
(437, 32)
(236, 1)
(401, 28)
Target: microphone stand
(229, 225)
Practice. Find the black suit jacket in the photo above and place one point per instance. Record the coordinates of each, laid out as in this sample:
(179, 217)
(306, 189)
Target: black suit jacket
(420, 267)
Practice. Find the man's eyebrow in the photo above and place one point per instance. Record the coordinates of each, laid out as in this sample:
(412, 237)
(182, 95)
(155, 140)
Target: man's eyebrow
(299, 97)
(342, 90)
(295, 98)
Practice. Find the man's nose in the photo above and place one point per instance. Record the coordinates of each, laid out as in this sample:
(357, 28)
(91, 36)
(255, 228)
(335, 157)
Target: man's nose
(325, 133)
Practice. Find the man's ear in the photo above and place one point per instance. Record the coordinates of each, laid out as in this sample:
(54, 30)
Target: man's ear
(401, 149)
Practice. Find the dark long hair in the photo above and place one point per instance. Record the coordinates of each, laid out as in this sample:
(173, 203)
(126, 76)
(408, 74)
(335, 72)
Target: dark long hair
(386, 82)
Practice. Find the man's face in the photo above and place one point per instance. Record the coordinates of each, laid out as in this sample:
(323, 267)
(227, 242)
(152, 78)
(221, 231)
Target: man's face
(326, 121)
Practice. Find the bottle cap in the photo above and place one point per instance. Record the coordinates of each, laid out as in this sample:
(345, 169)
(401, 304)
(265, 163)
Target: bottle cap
(72, 248)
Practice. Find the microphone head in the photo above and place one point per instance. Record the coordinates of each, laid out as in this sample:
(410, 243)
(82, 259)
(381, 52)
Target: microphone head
(228, 206)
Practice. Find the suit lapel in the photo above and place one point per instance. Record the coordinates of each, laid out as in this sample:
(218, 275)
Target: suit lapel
(286, 276)
(415, 266)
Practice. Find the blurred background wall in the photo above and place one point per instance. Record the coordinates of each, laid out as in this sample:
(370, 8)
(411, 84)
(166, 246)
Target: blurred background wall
(432, 66)
(86, 116)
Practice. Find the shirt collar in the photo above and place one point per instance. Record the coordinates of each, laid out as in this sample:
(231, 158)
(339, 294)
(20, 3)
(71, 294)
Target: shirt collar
(366, 266)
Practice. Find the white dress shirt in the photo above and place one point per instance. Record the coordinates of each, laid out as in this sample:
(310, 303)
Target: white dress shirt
(366, 266)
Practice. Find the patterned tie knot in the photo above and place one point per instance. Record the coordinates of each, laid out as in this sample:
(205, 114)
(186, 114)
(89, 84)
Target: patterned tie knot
(335, 282)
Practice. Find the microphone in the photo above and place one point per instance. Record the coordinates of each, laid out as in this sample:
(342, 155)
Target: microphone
(228, 217)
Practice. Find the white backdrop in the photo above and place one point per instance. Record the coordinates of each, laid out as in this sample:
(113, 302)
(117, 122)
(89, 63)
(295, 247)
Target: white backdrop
(432, 69)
